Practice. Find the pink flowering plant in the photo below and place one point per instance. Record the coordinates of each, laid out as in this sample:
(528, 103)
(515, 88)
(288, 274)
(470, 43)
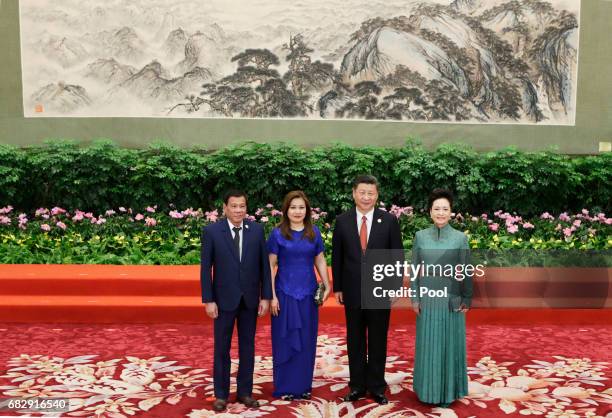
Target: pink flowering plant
(150, 236)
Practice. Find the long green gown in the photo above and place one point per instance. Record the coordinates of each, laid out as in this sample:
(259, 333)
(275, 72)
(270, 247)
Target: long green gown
(440, 365)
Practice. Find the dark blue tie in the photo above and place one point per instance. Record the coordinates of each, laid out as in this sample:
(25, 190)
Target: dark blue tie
(237, 239)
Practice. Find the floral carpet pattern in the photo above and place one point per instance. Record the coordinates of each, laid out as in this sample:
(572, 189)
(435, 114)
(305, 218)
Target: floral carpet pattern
(164, 370)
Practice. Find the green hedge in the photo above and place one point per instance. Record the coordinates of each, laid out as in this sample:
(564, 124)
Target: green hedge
(102, 175)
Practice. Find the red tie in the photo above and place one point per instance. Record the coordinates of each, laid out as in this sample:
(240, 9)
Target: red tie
(363, 233)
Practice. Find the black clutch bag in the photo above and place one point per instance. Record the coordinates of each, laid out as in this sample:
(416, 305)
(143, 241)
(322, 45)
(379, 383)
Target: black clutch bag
(318, 296)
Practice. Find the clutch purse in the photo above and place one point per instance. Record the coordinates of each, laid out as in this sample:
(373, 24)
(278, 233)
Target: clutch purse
(318, 296)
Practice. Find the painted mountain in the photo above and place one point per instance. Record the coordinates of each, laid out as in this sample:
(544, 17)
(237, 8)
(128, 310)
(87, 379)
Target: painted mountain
(469, 61)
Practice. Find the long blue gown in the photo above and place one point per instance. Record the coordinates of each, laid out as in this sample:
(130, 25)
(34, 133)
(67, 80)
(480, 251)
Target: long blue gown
(294, 330)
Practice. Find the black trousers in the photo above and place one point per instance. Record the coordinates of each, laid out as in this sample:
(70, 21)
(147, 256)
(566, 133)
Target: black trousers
(224, 328)
(366, 340)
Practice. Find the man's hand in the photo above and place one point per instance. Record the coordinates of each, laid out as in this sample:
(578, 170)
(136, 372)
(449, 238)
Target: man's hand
(211, 310)
(416, 308)
(339, 298)
(264, 304)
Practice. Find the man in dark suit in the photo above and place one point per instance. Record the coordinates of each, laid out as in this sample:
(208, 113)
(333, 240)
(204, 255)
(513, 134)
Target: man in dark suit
(358, 231)
(236, 287)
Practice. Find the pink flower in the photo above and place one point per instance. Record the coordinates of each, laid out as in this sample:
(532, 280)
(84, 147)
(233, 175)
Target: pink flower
(546, 215)
(276, 212)
(110, 212)
(61, 225)
(78, 216)
(57, 211)
(41, 211)
(176, 215)
(512, 229)
(315, 216)
(23, 220)
(528, 225)
(150, 221)
(609, 221)
(564, 217)
(93, 220)
(259, 211)
(381, 204)
(191, 212)
(475, 218)
(212, 216)
(484, 216)
(577, 223)
(139, 217)
(250, 218)
(269, 205)
(558, 227)
(567, 232)
(494, 227)
(5, 220)
(264, 219)
(45, 227)
(585, 212)
(100, 221)
(151, 209)
(6, 210)
(88, 215)
(45, 216)
(121, 209)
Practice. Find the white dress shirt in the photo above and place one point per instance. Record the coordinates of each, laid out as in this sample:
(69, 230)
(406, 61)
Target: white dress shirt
(369, 217)
(232, 226)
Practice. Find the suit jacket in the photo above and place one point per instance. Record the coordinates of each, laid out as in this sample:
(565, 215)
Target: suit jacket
(347, 257)
(224, 277)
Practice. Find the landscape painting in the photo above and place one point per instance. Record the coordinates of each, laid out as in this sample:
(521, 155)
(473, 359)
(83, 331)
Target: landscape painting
(457, 61)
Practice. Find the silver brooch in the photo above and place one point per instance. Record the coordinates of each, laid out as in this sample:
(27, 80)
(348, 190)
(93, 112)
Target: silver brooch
(379, 221)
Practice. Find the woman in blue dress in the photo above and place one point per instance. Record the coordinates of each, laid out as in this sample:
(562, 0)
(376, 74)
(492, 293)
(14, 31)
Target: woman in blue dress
(295, 246)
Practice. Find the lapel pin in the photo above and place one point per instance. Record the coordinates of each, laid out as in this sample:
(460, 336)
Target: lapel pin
(379, 221)
(246, 227)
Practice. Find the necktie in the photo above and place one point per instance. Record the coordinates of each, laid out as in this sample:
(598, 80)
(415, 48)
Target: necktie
(363, 233)
(237, 240)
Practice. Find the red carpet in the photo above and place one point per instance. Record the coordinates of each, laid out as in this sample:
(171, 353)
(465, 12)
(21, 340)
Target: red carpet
(163, 370)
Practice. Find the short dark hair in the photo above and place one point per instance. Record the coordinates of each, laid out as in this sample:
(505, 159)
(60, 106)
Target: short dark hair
(440, 194)
(233, 193)
(365, 178)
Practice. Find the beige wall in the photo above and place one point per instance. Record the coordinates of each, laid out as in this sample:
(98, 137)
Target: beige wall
(593, 118)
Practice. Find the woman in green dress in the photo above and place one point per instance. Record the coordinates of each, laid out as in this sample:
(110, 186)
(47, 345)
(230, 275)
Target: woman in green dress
(442, 293)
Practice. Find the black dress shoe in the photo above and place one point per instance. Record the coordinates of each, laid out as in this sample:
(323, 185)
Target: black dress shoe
(219, 405)
(380, 399)
(353, 396)
(248, 401)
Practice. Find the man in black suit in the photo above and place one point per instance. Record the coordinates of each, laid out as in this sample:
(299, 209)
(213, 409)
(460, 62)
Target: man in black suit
(358, 231)
(236, 288)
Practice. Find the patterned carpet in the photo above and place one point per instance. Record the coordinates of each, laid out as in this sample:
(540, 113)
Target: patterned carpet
(165, 371)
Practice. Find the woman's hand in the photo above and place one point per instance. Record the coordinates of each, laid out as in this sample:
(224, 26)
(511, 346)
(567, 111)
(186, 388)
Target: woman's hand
(326, 292)
(274, 306)
(463, 308)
